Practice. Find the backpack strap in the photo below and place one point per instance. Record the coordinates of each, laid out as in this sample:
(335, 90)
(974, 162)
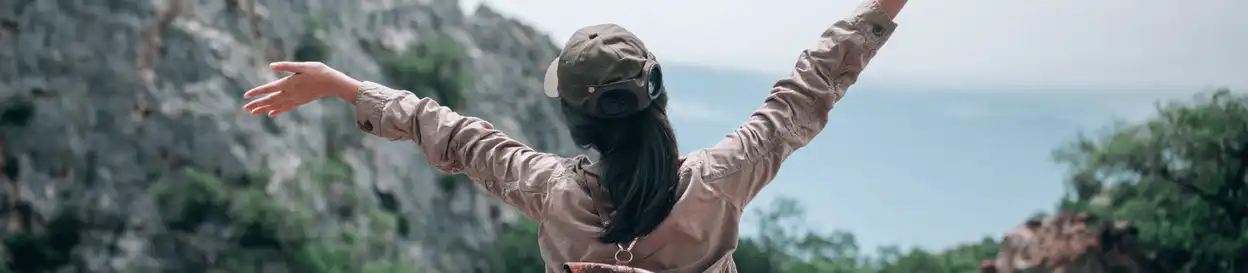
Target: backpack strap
(624, 252)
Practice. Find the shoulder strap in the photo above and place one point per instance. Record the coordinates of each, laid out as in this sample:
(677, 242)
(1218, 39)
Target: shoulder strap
(624, 252)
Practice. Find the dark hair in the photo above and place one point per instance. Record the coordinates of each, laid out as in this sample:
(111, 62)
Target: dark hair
(639, 160)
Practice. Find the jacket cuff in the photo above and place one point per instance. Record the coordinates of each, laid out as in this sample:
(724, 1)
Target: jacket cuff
(370, 100)
(874, 22)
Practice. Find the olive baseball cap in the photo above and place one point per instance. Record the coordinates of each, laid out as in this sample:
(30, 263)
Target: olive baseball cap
(598, 55)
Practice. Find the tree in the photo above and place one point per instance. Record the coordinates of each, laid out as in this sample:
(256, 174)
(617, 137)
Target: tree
(784, 245)
(1180, 177)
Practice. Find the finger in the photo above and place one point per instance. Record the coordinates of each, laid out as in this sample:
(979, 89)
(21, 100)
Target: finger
(271, 99)
(281, 105)
(263, 109)
(270, 87)
(256, 104)
(283, 109)
(279, 110)
(292, 67)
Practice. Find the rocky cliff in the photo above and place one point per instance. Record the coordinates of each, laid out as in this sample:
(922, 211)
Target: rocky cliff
(1071, 242)
(125, 150)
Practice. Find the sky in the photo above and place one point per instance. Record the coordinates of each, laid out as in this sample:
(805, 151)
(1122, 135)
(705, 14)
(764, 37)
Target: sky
(947, 136)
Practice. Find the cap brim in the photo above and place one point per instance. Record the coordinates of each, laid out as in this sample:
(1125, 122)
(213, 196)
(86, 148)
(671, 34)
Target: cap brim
(550, 84)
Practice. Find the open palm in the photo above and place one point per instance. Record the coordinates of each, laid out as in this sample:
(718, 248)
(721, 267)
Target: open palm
(311, 81)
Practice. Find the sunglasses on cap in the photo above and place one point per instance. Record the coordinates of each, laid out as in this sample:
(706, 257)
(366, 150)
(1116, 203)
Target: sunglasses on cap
(619, 98)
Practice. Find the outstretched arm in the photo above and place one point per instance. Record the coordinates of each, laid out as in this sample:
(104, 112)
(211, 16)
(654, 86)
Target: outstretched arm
(797, 108)
(452, 142)
(459, 144)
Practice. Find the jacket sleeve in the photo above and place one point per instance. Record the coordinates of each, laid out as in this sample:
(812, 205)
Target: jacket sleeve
(797, 108)
(454, 143)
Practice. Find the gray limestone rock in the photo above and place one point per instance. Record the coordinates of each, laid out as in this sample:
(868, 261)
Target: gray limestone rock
(102, 100)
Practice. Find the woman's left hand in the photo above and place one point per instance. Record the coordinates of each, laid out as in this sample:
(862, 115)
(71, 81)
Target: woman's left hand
(311, 81)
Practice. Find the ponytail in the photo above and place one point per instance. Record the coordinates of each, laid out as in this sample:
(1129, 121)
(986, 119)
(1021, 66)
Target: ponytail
(639, 176)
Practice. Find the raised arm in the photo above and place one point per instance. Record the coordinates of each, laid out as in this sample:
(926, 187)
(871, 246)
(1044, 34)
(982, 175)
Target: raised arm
(451, 142)
(797, 109)
(459, 144)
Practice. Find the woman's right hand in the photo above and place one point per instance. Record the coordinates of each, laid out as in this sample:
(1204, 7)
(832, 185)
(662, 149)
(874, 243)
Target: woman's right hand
(892, 7)
(311, 81)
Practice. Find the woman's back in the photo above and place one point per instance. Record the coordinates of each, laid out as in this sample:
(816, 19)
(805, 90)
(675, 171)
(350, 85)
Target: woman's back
(698, 235)
(686, 210)
(715, 184)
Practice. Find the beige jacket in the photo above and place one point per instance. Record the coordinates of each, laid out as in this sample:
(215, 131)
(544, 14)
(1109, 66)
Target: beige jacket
(700, 234)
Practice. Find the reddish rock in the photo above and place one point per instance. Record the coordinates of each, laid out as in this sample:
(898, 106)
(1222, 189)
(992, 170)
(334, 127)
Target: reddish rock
(1070, 243)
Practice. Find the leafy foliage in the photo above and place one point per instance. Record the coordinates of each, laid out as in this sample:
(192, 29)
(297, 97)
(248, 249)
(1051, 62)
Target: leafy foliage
(516, 249)
(450, 182)
(192, 202)
(782, 246)
(333, 176)
(1180, 177)
(312, 48)
(264, 229)
(31, 251)
(433, 67)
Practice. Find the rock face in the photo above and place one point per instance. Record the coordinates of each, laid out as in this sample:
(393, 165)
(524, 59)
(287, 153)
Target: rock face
(125, 150)
(1071, 243)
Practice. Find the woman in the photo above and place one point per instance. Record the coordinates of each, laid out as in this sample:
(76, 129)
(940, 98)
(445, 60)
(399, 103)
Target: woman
(641, 205)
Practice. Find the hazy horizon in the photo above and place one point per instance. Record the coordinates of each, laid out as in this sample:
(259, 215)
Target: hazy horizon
(904, 167)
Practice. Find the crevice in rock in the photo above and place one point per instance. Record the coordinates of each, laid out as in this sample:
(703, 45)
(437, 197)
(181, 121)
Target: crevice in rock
(495, 212)
(18, 112)
(390, 204)
(152, 34)
(140, 111)
(92, 161)
(9, 163)
(9, 26)
(342, 201)
(253, 19)
(388, 201)
(271, 126)
(243, 141)
(231, 5)
(42, 93)
(27, 218)
(275, 50)
(44, 249)
(8, 35)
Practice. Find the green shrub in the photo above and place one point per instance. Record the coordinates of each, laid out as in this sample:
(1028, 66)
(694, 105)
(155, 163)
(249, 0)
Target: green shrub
(323, 256)
(43, 251)
(330, 174)
(330, 170)
(191, 201)
(255, 179)
(450, 182)
(262, 228)
(389, 267)
(516, 249)
(263, 222)
(310, 47)
(434, 68)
